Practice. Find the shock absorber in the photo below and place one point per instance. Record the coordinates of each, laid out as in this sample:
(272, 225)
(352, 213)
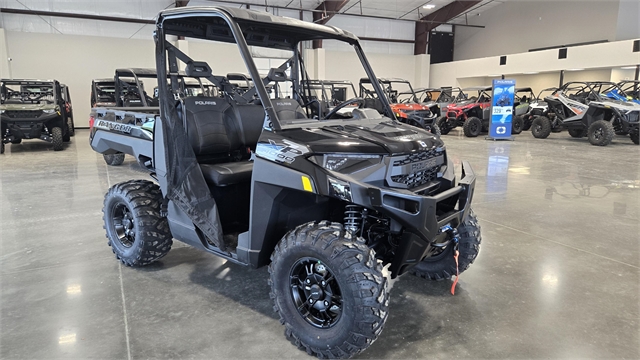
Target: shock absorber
(353, 218)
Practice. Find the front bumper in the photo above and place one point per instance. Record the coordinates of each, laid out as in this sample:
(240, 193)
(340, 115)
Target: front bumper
(422, 217)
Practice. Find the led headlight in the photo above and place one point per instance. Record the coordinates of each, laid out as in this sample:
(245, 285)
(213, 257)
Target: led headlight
(1, 111)
(48, 111)
(340, 189)
(349, 163)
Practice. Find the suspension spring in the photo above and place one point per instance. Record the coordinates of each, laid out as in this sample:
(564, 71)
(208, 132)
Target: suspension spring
(353, 218)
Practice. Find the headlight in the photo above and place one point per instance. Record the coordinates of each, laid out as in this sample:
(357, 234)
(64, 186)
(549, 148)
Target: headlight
(48, 111)
(340, 189)
(349, 163)
(1, 111)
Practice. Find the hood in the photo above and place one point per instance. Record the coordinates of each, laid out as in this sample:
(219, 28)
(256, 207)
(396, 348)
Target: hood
(461, 104)
(365, 137)
(408, 107)
(618, 104)
(18, 107)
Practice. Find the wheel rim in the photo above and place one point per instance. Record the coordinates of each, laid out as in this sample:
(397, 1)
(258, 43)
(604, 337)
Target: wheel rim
(123, 224)
(315, 292)
(474, 127)
(516, 126)
(537, 129)
(598, 134)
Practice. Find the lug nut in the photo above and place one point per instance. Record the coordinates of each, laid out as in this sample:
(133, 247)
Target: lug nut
(324, 283)
(326, 303)
(310, 301)
(308, 281)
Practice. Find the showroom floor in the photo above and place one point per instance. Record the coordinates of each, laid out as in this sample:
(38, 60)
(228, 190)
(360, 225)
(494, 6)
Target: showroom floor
(557, 276)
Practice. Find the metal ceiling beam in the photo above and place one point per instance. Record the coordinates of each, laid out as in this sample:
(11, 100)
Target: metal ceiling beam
(324, 12)
(432, 21)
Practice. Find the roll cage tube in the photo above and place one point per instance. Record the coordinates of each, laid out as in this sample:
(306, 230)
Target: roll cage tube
(244, 52)
(118, 88)
(375, 83)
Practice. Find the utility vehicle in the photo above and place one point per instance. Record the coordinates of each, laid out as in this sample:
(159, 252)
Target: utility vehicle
(32, 109)
(537, 107)
(631, 88)
(473, 114)
(438, 98)
(325, 203)
(584, 109)
(68, 109)
(523, 97)
(405, 104)
(103, 93)
(330, 93)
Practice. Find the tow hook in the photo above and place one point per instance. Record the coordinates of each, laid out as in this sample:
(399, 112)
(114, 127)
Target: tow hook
(452, 232)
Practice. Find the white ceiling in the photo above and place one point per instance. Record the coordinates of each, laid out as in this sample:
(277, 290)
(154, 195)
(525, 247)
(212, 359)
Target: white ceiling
(147, 9)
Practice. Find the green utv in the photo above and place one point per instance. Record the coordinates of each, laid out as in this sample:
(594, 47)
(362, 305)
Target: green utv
(325, 202)
(33, 109)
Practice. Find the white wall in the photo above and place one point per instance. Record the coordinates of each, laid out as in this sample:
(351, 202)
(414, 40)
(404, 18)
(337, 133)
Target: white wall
(73, 60)
(517, 26)
(628, 25)
(590, 57)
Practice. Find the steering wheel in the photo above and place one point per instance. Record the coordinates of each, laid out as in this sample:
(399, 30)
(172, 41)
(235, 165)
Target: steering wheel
(358, 100)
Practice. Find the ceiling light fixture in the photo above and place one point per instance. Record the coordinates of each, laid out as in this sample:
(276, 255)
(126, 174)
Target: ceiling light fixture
(531, 72)
(577, 69)
(628, 67)
(428, 6)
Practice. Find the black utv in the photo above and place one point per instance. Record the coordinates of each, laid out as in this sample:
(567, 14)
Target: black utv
(325, 202)
(32, 109)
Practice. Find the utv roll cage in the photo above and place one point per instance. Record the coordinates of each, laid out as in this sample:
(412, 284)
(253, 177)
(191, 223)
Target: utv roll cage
(539, 97)
(392, 94)
(631, 88)
(484, 93)
(31, 91)
(528, 94)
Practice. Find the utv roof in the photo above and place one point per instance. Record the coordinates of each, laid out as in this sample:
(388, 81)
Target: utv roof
(141, 73)
(28, 81)
(524, 89)
(259, 28)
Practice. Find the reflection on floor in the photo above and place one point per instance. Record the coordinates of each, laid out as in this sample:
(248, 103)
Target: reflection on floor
(557, 276)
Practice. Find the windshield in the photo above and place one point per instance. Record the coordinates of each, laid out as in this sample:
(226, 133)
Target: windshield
(28, 92)
(450, 95)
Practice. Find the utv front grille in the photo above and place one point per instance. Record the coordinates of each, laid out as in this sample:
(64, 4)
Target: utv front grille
(633, 116)
(416, 169)
(451, 114)
(425, 114)
(23, 114)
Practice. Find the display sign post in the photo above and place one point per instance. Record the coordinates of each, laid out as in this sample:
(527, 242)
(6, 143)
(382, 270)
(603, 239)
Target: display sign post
(502, 109)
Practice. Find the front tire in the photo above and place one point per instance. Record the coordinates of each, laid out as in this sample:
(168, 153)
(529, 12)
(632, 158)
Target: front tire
(472, 127)
(635, 137)
(435, 130)
(57, 139)
(136, 232)
(541, 127)
(113, 159)
(442, 123)
(601, 133)
(517, 125)
(443, 265)
(328, 290)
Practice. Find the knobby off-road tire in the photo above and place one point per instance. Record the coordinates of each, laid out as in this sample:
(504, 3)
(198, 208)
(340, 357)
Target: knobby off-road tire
(517, 125)
(577, 133)
(114, 159)
(71, 127)
(56, 139)
(442, 124)
(136, 232)
(443, 265)
(1, 147)
(435, 130)
(66, 137)
(16, 141)
(635, 137)
(355, 274)
(472, 127)
(541, 127)
(601, 133)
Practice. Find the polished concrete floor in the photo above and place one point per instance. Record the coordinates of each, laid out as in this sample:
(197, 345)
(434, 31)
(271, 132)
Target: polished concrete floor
(557, 275)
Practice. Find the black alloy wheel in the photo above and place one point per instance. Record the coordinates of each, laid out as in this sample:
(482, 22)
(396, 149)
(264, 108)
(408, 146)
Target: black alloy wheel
(123, 224)
(316, 292)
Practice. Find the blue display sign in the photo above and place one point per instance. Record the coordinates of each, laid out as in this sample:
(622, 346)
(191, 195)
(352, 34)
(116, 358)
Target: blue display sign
(502, 109)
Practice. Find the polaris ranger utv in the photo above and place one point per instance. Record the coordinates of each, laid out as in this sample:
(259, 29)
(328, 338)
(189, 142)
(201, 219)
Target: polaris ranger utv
(32, 109)
(325, 203)
(584, 109)
(406, 105)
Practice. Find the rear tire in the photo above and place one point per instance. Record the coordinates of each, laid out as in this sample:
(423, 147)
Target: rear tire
(114, 159)
(635, 137)
(1, 147)
(435, 130)
(601, 133)
(517, 125)
(16, 141)
(71, 127)
(472, 127)
(577, 133)
(442, 123)
(56, 139)
(443, 265)
(541, 127)
(349, 268)
(136, 232)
